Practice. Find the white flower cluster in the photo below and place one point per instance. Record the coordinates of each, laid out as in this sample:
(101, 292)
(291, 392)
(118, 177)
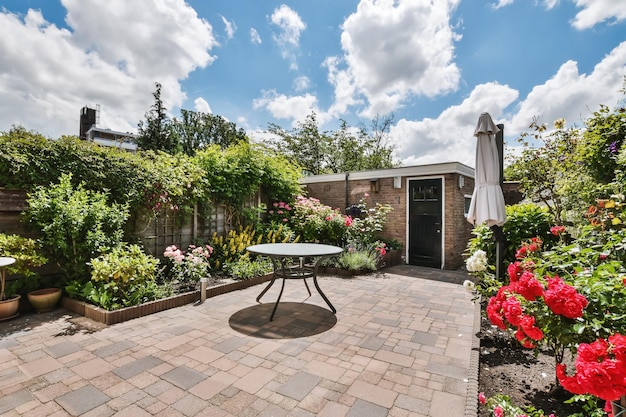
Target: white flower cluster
(477, 262)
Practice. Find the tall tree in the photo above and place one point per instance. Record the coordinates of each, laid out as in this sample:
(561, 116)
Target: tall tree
(304, 145)
(156, 133)
(343, 150)
(197, 130)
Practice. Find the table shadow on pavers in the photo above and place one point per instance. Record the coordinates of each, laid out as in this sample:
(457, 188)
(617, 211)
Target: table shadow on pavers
(291, 320)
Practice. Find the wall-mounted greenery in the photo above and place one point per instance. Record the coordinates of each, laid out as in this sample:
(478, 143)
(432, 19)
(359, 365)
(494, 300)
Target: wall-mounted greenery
(149, 180)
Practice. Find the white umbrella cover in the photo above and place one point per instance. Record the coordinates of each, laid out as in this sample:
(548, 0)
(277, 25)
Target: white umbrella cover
(487, 205)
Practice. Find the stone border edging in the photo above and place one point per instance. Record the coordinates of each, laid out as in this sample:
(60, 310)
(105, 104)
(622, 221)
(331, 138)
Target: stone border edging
(471, 398)
(101, 315)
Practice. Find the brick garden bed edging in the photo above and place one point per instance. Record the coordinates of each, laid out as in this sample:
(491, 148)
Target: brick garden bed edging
(101, 315)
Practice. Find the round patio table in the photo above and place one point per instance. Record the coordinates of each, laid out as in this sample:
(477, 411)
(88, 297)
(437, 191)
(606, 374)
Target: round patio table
(283, 256)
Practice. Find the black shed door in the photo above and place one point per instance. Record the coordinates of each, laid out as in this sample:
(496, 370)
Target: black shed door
(425, 222)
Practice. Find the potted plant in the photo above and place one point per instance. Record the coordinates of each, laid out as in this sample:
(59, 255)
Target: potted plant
(8, 306)
(25, 253)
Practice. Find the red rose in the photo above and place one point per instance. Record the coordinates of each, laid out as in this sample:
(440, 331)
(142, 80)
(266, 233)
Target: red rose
(513, 311)
(524, 340)
(528, 286)
(515, 270)
(494, 313)
(563, 299)
(521, 252)
(527, 324)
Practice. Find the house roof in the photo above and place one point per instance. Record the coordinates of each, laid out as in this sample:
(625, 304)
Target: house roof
(410, 171)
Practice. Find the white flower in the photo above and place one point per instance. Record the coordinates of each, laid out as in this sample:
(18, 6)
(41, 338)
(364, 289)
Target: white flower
(469, 285)
(477, 262)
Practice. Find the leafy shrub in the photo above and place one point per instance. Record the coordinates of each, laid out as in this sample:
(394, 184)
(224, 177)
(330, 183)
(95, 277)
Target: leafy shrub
(229, 248)
(27, 256)
(358, 260)
(524, 221)
(122, 277)
(369, 223)
(186, 268)
(76, 224)
(246, 268)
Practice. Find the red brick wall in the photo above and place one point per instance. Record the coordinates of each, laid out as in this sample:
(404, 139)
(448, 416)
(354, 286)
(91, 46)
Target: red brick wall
(458, 229)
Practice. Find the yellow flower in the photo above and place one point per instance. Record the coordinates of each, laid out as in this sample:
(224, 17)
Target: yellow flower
(615, 221)
(609, 204)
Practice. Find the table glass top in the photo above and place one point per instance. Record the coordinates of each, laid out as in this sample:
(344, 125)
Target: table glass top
(6, 261)
(294, 249)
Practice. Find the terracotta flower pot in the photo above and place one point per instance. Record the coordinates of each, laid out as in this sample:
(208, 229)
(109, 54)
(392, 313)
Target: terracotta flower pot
(45, 299)
(8, 307)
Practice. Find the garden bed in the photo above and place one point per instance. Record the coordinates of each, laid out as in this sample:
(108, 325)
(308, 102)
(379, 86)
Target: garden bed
(508, 368)
(117, 316)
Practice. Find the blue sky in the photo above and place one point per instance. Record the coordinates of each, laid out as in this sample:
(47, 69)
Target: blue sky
(436, 65)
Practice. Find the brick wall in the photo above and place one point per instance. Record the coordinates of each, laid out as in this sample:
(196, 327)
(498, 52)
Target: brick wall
(458, 229)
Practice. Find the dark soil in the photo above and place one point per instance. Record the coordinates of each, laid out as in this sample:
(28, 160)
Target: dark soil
(507, 368)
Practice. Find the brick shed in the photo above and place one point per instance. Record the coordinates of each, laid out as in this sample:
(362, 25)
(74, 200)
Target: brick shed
(430, 204)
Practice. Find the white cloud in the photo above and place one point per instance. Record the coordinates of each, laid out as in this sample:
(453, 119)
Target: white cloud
(255, 37)
(301, 83)
(502, 3)
(295, 108)
(202, 106)
(598, 11)
(112, 56)
(569, 94)
(449, 137)
(291, 25)
(394, 50)
(229, 27)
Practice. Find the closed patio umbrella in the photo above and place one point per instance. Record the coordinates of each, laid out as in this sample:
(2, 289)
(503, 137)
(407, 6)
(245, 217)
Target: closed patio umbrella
(487, 205)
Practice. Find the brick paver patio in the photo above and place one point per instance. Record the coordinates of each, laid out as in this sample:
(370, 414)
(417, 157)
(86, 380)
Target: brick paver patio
(398, 346)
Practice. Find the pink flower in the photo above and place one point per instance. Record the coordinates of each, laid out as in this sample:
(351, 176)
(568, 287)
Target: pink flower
(557, 230)
(498, 411)
(481, 398)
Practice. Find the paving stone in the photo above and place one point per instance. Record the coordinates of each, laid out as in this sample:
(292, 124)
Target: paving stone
(114, 348)
(363, 408)
(386, 322)
(136, 367)
(184, 377)
(82, 400)
(189, 405)
(424, 338)
(14, 400)
(373, 393)
(299, 385)
(63, 349)
(230, 344)
(447, 370)
(372, 342)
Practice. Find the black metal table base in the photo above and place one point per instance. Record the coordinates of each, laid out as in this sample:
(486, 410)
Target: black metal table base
(286, 272)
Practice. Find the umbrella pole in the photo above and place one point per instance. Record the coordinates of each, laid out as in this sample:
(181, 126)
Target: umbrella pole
(499, 238)
(499, 234)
